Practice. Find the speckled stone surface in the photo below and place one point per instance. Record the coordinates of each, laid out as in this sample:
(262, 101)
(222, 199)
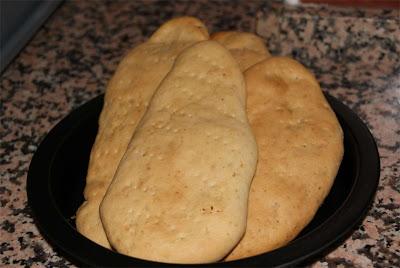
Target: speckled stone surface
(354, 54)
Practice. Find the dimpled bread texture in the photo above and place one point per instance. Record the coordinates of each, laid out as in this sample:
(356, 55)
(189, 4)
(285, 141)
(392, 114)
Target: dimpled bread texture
(300, 145)
(181, 190)
(247, 48)
(126, 99)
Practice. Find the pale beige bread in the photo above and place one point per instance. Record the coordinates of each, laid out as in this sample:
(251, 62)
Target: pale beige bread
(247, 48)
(180, 192)
(300, 145)
(126, 99)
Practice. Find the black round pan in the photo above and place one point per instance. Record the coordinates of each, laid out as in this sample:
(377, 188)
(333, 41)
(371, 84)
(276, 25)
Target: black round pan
(56, 180)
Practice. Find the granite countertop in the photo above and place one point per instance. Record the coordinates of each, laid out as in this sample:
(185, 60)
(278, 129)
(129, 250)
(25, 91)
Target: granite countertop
(353, 53)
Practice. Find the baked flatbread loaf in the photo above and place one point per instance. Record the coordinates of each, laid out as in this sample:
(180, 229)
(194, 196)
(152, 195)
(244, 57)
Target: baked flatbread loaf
(180, 192)
(300, 147)
(126, 99)
(246, 48)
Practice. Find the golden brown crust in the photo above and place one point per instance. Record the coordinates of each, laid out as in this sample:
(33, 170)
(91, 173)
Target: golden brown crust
(241, 40)
(126, 100)
(181, 29)
(180, 192)
(300, 145)
(247, 48)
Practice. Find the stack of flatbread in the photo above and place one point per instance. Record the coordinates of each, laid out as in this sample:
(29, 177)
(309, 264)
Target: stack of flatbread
(208, 149)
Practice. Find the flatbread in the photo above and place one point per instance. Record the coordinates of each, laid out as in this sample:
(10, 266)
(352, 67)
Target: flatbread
(300, 145)
(180, 192)
(247, 48)
(127, 97)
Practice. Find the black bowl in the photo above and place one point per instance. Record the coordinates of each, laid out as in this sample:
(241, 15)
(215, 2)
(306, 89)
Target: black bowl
(56, 180)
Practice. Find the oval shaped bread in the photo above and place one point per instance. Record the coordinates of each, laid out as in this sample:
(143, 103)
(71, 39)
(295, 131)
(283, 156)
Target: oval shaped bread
(300, 147)
(180, 192)
(126, 99)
